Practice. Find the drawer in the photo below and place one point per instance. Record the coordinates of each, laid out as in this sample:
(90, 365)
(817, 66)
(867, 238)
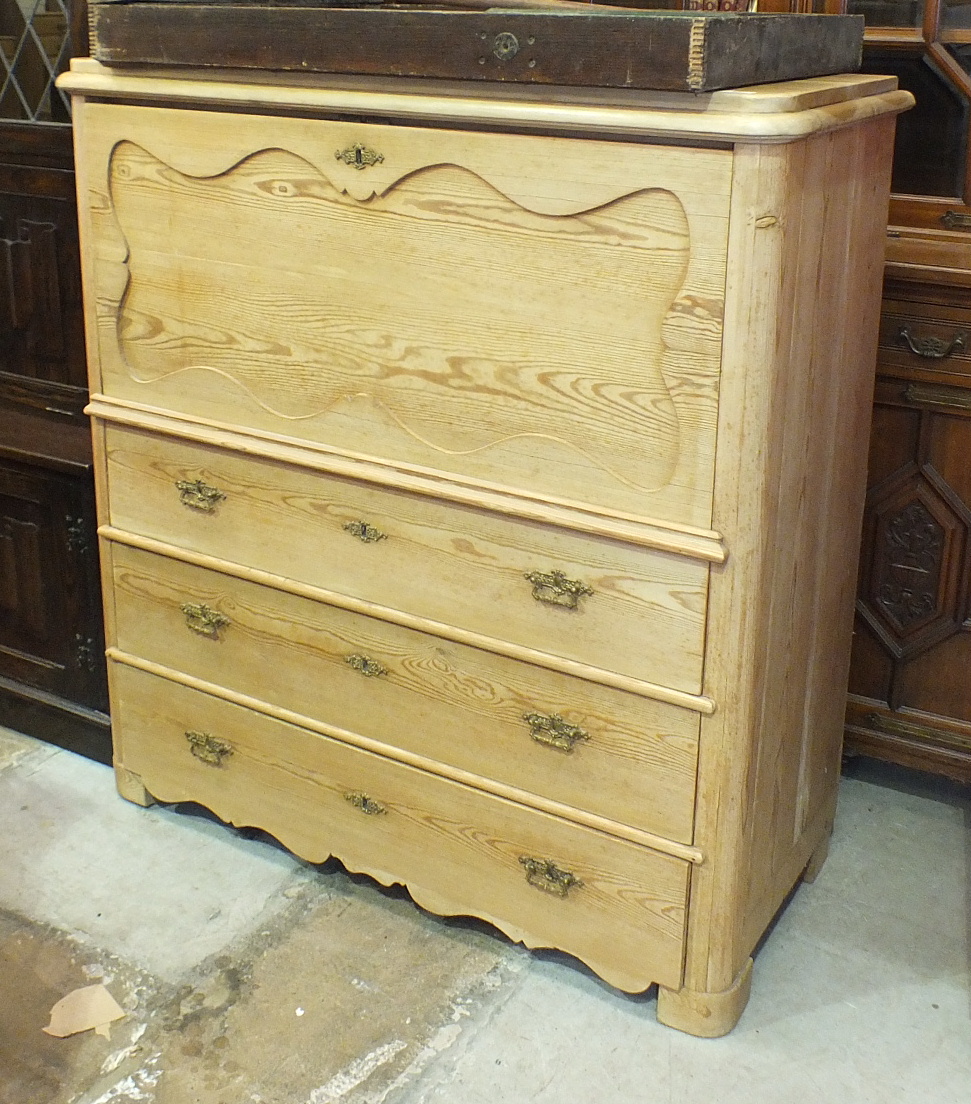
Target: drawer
(634, 762)
(542, 313)
(925, 338)
(448, 563)
(458, 851)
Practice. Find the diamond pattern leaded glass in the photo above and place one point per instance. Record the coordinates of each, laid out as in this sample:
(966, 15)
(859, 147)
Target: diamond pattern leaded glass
(34, 48)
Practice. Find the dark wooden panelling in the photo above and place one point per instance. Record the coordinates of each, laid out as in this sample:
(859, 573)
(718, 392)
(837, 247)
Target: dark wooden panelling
(41, 314)
(52, 670)
(910, 679)
(50, 629)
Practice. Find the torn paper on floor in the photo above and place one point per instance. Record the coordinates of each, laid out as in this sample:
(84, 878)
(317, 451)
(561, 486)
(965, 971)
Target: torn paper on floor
(92, 1006)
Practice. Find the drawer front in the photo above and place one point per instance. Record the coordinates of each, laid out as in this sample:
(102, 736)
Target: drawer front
(925, 339)
(623, 757)
(542, 313)
(644, 617)
(458, 850)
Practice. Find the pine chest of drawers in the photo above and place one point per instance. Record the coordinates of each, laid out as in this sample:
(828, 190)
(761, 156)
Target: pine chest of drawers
(480, 486)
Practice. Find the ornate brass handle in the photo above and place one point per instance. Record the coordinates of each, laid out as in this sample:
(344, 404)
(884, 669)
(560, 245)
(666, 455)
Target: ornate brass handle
(954, 220)
(553, 731)
(368, 667)
(203, 619)
(929, 394)
(366, 804)
(359, 156)
(933, 348)
(547, 876)
(364, 532)
(554, 588)
(208, 748)
(198, 495)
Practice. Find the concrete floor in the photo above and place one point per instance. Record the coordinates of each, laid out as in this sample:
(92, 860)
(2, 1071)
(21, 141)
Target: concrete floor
(250, 977)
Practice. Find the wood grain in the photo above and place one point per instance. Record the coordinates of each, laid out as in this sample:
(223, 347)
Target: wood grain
(771, 113)
(286, 291)
(812, 328)
(455, 565)
(590, 519)
(437, 698)
(626, 921)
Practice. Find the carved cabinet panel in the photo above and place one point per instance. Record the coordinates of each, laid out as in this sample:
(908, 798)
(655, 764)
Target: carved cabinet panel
(909, 687)
(49, 638)
(41, 325)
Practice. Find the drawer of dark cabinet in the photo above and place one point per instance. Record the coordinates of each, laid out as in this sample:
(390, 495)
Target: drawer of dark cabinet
(929, 339)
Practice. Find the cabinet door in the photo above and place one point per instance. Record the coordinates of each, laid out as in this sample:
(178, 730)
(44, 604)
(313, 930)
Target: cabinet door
(41, 323)
(539, 314)
(909, 699)
(50, 631)
(42, 362)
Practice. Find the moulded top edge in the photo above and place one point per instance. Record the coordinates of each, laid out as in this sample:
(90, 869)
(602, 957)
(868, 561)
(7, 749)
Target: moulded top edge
(781, 112)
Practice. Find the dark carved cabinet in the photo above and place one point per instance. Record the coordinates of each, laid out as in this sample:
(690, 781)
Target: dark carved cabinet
(910, 680)
(52, 672)
(910, 685)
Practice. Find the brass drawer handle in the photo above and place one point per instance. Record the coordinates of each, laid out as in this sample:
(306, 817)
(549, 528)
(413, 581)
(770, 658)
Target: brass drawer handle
(366, 804)
(208, 748)
(364, 532)
(198, 495)
(553, 731)
(928, 394)
(954, 220)
(554, 588)
(359, 156)
(204, 620)
(547, 876)
(933, 348)
(369, 668)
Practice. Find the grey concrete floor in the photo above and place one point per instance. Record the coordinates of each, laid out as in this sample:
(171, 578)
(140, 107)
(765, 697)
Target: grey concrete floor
(250, 977)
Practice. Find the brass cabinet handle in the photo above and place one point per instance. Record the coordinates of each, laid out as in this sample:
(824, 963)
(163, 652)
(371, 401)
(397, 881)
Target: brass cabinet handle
(203, 619)
(364, 532)
(954, 220)
(554, 588)
(929, 394)
(933, 348)
(208, 748)
(366, 804)
(368, 667)
(553, 731)
(359, 156)
(198, 495)
(547, 876)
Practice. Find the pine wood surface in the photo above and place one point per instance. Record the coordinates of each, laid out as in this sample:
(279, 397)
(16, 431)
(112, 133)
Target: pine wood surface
(458, 566)
(459, 846)
(290, 292)
(774, 666)
(589, 519)
(768, 113)
(451, 703)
